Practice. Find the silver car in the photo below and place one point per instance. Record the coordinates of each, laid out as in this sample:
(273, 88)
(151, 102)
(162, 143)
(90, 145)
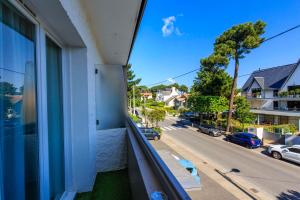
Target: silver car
(210, 130)
(291, 153)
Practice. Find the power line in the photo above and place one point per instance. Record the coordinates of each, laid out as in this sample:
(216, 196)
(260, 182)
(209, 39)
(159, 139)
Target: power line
(174, 77)
(279, 34)
(268, 39)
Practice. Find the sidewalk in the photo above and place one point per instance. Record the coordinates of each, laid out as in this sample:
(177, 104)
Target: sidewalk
(210, 188)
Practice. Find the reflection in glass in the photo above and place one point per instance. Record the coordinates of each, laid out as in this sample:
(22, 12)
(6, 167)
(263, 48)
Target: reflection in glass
(18, 127)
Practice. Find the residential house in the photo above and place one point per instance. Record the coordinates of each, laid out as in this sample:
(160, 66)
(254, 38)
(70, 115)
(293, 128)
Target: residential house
(180, 101)
(167, 95)
(146, 96)
(274, 94)
(68, 57)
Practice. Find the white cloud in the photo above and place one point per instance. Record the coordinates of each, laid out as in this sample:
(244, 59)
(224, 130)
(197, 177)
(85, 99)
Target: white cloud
(171, 80)
(178, 32)
(168, 27)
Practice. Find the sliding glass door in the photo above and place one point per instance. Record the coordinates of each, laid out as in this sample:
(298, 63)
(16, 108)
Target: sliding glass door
(18, 119)
(55, 120)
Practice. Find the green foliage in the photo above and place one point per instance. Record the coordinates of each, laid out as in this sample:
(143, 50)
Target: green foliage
(131, 81)
(207, 104)
(284, 94)
(158, 129)
(211, 83)
(157, 115)
(242, 110)
(282, 128)
(7, 88)
(134, 118)
(182, 110)
(239, 40)
(181, 88)
(154, 104)
(234, 44)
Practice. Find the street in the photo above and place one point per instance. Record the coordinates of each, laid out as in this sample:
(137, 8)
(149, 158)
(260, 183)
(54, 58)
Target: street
(279, 179)
(209, 189)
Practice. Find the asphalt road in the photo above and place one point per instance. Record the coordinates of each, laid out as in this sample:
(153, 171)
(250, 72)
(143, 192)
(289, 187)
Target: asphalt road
(209, 188)
(280, 179)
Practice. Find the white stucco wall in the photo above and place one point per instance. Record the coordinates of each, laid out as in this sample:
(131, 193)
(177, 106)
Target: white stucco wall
(82, 96)
(111, 150)
(293, 80)
(268, 93)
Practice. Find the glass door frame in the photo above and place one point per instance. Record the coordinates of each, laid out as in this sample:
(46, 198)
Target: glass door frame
(42, 31)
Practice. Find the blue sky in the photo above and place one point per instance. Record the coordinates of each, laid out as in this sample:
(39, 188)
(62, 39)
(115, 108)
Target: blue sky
(163, 52)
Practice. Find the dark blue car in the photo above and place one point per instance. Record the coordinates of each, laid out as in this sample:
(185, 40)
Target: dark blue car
(150, 134)
(245, 139)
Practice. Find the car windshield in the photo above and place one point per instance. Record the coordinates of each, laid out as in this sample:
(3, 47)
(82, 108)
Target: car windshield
(254, 137)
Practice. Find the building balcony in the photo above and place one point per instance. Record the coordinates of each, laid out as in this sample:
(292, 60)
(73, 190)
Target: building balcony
(130, 168)
(280, 111)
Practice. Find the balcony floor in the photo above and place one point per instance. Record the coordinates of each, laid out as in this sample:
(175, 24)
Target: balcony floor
(109, 186)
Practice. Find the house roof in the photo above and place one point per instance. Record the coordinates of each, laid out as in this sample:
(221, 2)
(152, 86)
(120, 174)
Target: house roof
(146, 94)
(270, 78)
(170, 99)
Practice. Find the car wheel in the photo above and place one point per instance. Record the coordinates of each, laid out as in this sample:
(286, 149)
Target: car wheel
(155, 138)
(276, 155)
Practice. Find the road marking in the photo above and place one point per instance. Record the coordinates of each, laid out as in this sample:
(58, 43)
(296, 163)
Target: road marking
(172, 128)
(163, 129)
(168, 128)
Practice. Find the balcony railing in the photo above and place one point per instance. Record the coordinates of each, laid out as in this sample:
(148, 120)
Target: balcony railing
(154, 175)
(260, 96)
(279, 109)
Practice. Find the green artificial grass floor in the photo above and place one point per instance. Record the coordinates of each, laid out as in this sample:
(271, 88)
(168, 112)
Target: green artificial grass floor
(109, 186)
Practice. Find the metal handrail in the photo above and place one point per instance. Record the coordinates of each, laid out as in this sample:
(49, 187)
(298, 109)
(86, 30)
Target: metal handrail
(170, 184)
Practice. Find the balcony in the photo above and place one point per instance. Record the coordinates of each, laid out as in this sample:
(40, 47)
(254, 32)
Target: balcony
(283, 111)
(144, 174)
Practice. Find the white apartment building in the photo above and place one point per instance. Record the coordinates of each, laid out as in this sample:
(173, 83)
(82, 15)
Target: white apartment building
(274, 94)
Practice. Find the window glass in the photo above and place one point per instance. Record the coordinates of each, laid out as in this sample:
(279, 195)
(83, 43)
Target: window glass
(18, 119)
(55, 120)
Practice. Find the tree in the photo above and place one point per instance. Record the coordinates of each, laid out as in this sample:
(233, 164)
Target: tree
(212, 83)
(207, 104)
(183, 88)
(7, 88)
(242, 111)
(131, 82)
(156, 116)
(212, 79)
(234, 44)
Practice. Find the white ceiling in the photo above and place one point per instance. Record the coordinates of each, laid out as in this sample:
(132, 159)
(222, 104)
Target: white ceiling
(113, 23)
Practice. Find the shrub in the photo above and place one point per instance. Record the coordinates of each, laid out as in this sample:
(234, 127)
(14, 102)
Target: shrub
(135, 118)
(158, 129)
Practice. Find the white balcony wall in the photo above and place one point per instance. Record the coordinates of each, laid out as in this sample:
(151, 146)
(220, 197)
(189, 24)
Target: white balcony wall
(83, 127)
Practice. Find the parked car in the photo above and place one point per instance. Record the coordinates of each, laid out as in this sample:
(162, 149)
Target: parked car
(291, 153)
(150, 134)
(248, 140)
(210, 130)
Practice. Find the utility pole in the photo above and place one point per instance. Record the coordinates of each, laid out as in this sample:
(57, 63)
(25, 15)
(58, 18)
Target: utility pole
(133, 99)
